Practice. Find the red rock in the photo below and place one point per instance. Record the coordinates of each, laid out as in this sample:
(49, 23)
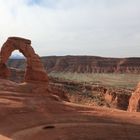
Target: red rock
(134, 102)
(34, 71)
(4, 71)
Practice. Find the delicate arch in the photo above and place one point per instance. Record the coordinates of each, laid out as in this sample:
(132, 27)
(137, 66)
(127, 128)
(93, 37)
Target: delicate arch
(34, 70)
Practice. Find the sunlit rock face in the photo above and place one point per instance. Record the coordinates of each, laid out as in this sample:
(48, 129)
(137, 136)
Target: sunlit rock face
(35, 71)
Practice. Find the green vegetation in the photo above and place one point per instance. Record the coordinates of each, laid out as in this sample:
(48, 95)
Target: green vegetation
(113, 80)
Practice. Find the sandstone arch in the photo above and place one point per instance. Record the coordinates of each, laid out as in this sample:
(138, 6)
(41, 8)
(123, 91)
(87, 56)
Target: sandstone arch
(34, 70)
(134, 100)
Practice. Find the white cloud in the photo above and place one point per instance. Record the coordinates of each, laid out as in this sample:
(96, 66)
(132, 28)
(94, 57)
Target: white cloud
(61, 27)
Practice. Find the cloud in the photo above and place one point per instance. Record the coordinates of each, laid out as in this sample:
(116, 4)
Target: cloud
(66, 27)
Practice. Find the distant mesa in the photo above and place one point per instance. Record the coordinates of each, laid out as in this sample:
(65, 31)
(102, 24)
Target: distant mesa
(85, 64)
(34, 70)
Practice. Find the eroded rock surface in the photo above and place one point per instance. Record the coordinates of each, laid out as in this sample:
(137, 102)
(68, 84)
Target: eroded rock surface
(134, 102)
(92, 94)
(35, 71)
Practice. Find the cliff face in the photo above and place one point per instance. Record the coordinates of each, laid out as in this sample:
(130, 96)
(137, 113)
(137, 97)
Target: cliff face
(84, 64)
(134, 102)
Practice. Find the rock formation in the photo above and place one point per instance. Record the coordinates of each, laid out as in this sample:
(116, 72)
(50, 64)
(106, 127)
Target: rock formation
(118, 98)
(85, 64)
(35, 71)
(134, 102)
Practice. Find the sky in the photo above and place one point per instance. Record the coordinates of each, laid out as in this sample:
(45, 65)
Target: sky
(109, 28)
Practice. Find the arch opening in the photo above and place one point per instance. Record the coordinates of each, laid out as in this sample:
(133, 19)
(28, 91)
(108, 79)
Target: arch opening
(17, 65)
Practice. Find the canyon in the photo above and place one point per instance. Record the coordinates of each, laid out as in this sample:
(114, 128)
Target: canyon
(78, 92)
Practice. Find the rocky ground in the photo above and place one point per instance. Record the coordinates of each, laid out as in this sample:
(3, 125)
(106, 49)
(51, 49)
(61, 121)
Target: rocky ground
(33, 112)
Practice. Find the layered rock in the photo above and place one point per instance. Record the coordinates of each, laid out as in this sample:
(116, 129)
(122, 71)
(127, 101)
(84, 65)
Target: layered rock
(35, 71)
(85, 64)
(134, 102)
